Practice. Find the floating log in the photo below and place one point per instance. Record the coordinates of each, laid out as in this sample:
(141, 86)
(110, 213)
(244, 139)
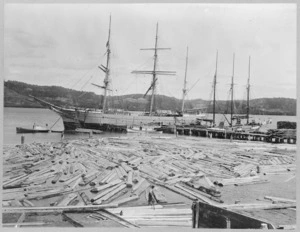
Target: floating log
(56, 178)
(259, 206)
(279, 199)
(289, 179)
(253, 182)
(276, 173)
(129, 179)
(47, 194)
(216, 199)
(112, 193)
(122, 171)
(24, 224)
(27, 203)
(87, 179)
(196, 195)
(98, 217)
(126, 167)
(72, 179)
(59, 208)
(112, 177)
(71, 170)
(102, 187)
(75, 183)
(85, 198)
(135, 177)
(239, 180)
(18, 179)
(103, 193)
(119, 174)
(66, 179)
(109, 174)
(130, 210)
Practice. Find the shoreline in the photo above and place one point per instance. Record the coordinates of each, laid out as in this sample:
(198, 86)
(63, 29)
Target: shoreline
(35, 107)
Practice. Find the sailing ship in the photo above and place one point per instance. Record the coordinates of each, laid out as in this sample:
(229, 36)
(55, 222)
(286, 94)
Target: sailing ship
(248, 125)
(191, 112)
(104, 119)
(204, 121)
(233, 117)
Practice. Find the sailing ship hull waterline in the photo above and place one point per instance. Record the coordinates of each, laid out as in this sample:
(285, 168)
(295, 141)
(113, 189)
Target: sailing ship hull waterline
(96, 119)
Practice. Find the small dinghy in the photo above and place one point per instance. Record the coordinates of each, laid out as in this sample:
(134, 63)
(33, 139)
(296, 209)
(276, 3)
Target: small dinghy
(35, 129)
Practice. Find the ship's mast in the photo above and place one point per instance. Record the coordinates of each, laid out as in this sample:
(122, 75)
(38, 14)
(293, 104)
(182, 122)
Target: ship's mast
(185, 75)
(214, 86)
(248, 92)
(107, 73)
(232, 84)
(154, 73)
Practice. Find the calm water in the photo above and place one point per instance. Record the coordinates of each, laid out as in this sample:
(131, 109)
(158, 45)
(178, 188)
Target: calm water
(25, 117)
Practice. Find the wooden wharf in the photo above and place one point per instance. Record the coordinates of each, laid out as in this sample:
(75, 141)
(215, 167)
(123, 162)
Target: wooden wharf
(228, 134)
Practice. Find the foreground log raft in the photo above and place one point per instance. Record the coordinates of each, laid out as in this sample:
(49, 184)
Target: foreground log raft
(90, 174)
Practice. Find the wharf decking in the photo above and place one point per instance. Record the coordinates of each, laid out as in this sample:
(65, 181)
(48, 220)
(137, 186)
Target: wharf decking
(228, 134)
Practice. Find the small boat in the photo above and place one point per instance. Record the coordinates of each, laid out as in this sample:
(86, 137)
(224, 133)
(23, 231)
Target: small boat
(36, 129)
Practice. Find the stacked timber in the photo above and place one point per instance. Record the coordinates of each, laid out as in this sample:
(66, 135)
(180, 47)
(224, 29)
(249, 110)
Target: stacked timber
(286, 125)
(160, 216)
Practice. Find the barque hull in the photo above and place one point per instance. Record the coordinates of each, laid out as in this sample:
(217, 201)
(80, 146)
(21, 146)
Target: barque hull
(96, 119)
(100, 121)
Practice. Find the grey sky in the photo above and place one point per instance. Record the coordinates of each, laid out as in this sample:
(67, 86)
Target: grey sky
(62, 44)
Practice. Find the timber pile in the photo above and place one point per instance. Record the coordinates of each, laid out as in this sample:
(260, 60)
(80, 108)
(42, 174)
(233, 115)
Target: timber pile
(286, 125)
(117, 171)
(160, 216)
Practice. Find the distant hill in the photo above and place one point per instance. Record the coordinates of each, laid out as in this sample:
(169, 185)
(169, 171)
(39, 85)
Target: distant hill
(16, 94)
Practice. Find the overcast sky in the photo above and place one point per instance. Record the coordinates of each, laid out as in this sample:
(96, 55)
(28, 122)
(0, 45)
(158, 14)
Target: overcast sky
(62, 44)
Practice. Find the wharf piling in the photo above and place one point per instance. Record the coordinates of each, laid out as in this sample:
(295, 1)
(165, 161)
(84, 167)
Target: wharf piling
(114, 128)
(228, 134)
(22, 139)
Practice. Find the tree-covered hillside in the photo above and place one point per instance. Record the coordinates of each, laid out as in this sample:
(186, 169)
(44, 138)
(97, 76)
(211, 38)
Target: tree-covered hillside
(16, 94)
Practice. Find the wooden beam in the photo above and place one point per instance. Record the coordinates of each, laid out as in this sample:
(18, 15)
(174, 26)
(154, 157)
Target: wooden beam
(59, 208)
